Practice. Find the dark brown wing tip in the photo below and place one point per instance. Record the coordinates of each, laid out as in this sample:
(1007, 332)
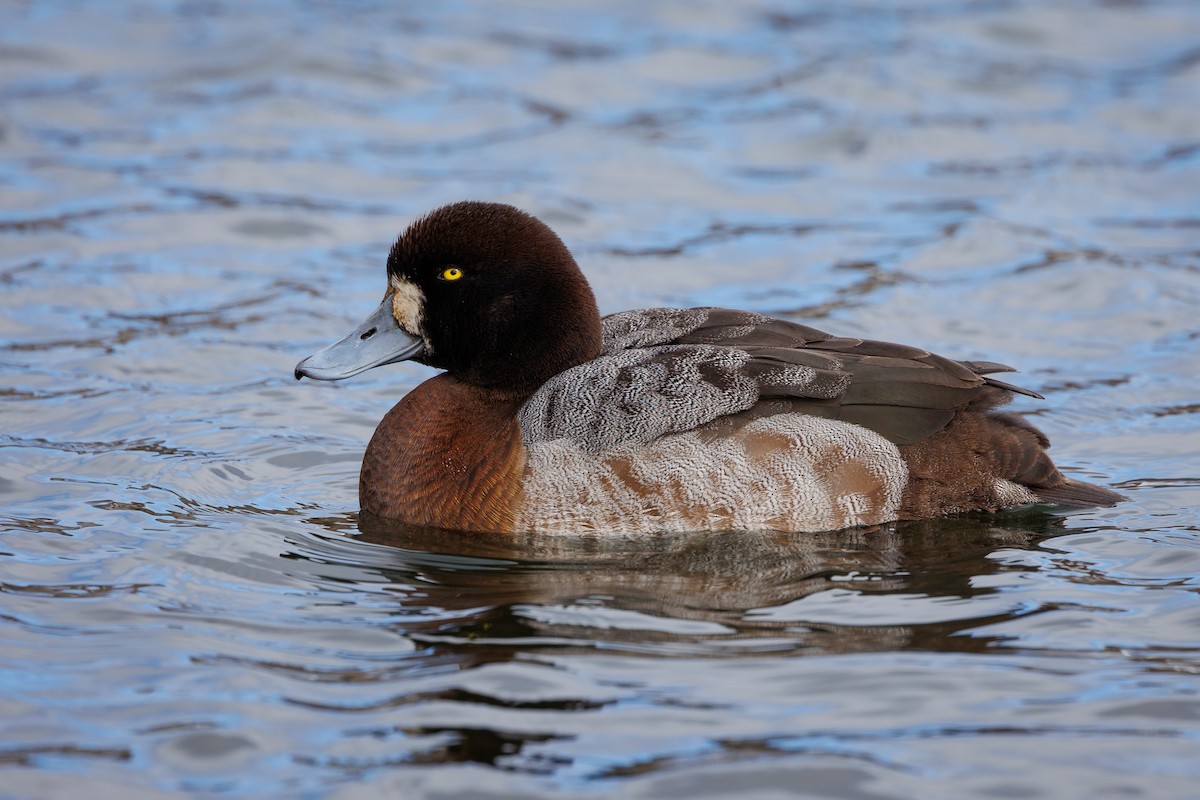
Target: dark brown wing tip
(1008, 387)
(987, 367)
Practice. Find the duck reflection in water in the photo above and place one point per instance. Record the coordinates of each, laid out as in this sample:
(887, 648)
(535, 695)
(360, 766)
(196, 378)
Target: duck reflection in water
(706, 591)
(509, 601)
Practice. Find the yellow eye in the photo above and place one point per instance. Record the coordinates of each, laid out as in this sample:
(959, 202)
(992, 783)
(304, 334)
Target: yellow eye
(451, 274)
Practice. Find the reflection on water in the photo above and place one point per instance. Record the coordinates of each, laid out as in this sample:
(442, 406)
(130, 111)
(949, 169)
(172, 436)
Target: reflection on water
(196, 194)
(727, 593)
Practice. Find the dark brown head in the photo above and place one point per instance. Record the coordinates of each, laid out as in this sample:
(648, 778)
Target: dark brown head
(483, 291)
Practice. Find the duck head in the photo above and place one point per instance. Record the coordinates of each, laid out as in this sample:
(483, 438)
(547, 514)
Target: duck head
(482, 290)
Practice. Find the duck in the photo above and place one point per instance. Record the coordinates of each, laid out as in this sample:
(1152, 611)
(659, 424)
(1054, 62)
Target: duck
(548, 419)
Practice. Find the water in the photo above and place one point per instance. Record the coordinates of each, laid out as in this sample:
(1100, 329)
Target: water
(197, 194)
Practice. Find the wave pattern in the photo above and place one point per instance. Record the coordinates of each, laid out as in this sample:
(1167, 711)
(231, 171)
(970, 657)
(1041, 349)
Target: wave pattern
(197, 193)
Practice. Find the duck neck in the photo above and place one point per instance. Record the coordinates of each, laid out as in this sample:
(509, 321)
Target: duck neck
(448, 455)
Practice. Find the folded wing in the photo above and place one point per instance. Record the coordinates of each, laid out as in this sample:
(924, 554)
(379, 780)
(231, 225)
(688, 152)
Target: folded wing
(670, 370)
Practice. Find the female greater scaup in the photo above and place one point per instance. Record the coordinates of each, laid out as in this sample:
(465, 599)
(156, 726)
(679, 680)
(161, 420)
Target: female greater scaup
(548, 418)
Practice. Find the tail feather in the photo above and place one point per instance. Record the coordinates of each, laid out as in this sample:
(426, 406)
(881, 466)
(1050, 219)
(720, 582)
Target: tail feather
(1018, 453)
(1078, 493)
(980, 453)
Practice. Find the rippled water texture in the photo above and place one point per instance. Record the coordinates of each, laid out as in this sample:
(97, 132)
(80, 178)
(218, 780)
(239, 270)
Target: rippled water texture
(194, 195)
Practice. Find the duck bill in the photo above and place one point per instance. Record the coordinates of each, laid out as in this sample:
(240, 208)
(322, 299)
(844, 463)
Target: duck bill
(378, 340)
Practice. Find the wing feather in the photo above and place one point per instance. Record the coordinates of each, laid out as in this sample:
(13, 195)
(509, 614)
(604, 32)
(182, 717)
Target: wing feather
(667, 370)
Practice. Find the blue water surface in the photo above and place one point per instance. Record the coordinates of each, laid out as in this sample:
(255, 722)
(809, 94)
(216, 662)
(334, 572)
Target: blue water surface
(196, 194)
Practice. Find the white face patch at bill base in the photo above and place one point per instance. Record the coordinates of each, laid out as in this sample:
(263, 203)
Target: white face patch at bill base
(408, 306)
